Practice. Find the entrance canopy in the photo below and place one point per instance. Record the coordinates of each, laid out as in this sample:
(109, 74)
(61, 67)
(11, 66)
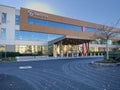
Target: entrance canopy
(59, 43)
(72, 40)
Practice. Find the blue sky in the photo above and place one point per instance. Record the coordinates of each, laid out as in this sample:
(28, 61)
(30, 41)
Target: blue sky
(96, 11)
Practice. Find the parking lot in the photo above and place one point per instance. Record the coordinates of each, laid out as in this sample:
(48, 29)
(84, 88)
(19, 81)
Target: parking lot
(75, 74)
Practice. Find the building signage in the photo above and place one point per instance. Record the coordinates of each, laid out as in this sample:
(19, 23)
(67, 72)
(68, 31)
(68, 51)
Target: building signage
(33, 13)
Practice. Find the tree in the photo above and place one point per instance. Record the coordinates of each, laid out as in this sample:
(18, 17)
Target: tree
(106, 33)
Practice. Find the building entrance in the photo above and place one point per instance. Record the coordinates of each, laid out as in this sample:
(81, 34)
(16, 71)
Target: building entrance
(67, 50)
(70, 47)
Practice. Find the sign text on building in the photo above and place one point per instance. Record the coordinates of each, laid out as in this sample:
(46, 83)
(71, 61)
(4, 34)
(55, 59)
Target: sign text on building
(32, 13)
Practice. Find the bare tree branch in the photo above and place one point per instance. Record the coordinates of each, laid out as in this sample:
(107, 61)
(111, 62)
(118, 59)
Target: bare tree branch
(106, 33)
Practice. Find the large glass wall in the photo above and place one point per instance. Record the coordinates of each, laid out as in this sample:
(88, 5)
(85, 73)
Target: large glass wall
(98, 41)
(53, 24)
(2, 48)
(17, 19)
(28, 49)
(118, 35)
(35, 36)
(96, 49)
(65, 50)
(92, 30)
(102, 41)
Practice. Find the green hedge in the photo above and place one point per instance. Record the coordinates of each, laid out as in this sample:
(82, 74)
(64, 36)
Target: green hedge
(14, 54)
(8, 54)
(8, 59)
(115, 55)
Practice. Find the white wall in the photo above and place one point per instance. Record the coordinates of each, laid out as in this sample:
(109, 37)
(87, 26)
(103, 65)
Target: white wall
(10, 25)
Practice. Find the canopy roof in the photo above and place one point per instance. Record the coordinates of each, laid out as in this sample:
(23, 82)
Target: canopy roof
(72, 40)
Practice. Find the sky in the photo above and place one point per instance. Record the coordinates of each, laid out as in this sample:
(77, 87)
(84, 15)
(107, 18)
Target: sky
(96, 11)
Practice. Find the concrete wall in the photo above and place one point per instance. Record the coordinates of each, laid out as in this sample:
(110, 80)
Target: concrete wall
(9, 25)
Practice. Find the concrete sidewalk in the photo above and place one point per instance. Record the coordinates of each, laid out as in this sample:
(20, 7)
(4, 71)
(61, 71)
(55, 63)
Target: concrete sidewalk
(37, 58)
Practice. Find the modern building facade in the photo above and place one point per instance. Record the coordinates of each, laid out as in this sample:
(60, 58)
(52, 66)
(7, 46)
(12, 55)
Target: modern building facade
(30, 31)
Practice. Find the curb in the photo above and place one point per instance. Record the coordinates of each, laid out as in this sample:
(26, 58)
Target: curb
(105, 64)
(55, 58)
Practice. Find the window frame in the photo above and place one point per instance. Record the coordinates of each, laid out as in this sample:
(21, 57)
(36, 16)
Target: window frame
(4, 17)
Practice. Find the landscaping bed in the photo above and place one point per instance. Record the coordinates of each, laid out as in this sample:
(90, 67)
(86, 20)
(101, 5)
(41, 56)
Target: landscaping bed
(114, 60)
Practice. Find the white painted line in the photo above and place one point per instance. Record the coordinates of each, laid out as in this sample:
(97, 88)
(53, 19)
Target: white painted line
(25, 67)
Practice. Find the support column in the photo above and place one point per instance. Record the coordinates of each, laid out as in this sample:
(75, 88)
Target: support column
(78, 51)
(87, 48)
(61, 51)
(54, 50)
(68, 50)
(84, 49)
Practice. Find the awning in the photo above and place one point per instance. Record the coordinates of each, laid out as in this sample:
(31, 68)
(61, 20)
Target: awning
(72, 40)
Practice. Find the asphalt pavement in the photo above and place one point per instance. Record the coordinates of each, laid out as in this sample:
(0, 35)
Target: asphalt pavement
(74, 74)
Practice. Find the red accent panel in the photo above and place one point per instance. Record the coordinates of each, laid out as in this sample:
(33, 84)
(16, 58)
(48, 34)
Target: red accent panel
(84, 46)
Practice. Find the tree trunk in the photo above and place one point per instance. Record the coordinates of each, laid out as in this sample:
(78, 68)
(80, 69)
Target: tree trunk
(107, 52)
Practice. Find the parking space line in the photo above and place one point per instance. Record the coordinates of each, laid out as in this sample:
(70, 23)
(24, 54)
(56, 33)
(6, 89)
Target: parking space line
(25, 67)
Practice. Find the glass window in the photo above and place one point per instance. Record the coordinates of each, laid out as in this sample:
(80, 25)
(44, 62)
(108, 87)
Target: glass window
(35, 36)
(3, 33)
(17, 19)
(93, 30)
(53, 24)
(2, 48)
(98, 41)
(109, 42)
(28, 49)
(118, 35)
(4, 17)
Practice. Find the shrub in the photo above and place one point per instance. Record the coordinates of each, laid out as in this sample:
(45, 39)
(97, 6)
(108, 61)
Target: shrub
(8, 59)
(114, 56)
(8, 54)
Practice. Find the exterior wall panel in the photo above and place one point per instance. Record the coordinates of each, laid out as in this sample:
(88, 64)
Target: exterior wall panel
(36, 28)
(9, 25)
(45, 29)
